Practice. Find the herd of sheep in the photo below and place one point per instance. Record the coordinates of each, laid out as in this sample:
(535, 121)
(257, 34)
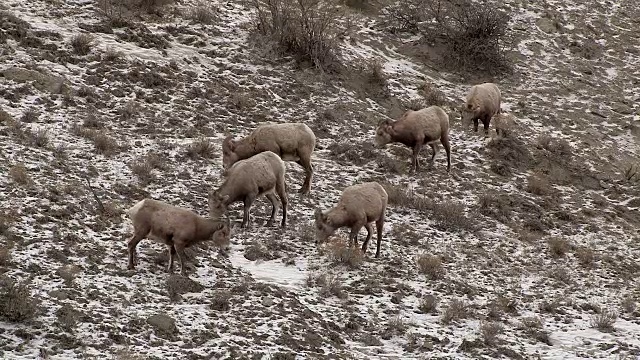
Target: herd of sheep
(254, 166)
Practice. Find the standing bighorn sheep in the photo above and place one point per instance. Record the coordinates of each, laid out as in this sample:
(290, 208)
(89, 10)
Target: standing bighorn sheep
(482, 103)
(359, 206)
(246, 180)
(291, 141)
(174, 226)
(416, 128)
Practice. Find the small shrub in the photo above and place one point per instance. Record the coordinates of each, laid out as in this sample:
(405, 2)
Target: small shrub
(104, 143)
(18, 173)
(456, 310)
(220, 300)
(330, 284)
(30, 115)
(202, 148)
(429, 304)
(490, 331)
(143, 171)
(533, 326)
(497, 206)
(305, 29)
(431, 265)
(628, 304)
(432, 95)
(586, 256)
(41, 138)
(538, 185)
(5, 255)
(558, 246)
(339, 252)
(561, 274)
(551, 306)
(203, 13)
(632, 173)
(396, 325)
(6, 221)
(451, 215)
(16, 302)
(92, 122)
(82, 43)
(558, 147)
(112, 55)
(604, 321)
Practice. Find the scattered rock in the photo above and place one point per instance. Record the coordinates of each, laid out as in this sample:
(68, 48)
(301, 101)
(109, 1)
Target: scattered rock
(548, 25)
(59, 294)
(68, 272)
(178, 285)
(43, 82)
(267, 301)
(163, 323)
(623, 109)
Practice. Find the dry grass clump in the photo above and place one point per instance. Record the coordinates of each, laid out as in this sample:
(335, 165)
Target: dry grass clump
(604, 321)
(203, 13)
(40, 138)
(490, 331)
(5, 254)
(119, 10)
(558, 147)
(340, 253)
(30, 115)
(220, 301)
(19, 174)
(450, 215)
(533, 326)
(16, 302)
(558, 246)
(586, 256)
(330, 285)
(431, 265)
(496, 205)
(429, 304)
(396, 325)
(104, 143)
(112, 55)
(456, 310)
(628, 304)
(632, 173)
(201, 148)
(538, 185)
(307, 29)
(432, 95)
(82, 43)
(509, 153)
(346, 153)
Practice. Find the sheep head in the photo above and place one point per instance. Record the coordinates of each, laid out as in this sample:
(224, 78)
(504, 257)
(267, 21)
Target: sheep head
(467, 113)
(217, 204)
(229, 156)
(324, 227)
(222, 236)
(383, 133)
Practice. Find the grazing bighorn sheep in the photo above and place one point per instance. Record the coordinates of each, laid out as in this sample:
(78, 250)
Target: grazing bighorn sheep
(291, 141)
(482, 103)
(174, 226)
(246, 180)
(359, 206)
(416, 128)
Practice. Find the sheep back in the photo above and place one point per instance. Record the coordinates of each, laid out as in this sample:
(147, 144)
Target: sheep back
(260, 171)
(370, 197)
(482, 100)
(163, 221)
(432, 122)
(285, 139)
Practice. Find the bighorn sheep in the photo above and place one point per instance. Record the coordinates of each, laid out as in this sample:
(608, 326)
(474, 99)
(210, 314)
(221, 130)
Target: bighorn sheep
(482, 103)
(416, 128)
(291, 141)
(359, 206)
(174, 226)
(246, 180)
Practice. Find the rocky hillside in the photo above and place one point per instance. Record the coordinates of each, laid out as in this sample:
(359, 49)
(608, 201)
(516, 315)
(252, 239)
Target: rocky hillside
(529, 247)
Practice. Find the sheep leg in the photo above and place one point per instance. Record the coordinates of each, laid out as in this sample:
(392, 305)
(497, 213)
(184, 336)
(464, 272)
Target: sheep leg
(485, 122)
(353, 236)
(475, 125)
(282, 194)
(434, 151)
(369, 233)
(379, 226)
(274, 206)
(414, 156)
(138, 235)
(447, 148)
(172, 252)
(248, 201)
(179, 248)
(305, 162)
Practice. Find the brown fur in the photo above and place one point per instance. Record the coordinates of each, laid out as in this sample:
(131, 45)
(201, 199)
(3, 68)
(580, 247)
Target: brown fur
(261, 174)
(359, 206)
(291, 141)
(176, 227)
(482, 103)
(416, 128)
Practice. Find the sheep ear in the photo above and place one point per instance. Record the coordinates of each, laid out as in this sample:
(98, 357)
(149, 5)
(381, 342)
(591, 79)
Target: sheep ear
(228, 143)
